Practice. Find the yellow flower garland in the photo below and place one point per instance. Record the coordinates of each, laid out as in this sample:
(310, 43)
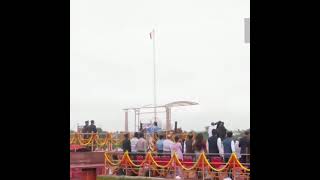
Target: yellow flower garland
(149, 158)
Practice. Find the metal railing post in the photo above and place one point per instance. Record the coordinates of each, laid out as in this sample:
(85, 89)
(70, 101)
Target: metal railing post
(174, 170)
(149, 166)
(92, 141)
(126, 169)
(233, 167)
(202, 166)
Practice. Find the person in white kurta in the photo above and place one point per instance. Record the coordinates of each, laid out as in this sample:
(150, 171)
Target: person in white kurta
(238, 149)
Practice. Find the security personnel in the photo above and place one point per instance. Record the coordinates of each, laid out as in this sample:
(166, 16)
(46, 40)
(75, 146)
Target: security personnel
(85, 129)
(92, 127)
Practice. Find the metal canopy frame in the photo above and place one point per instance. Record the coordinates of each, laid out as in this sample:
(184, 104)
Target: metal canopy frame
(167, 111)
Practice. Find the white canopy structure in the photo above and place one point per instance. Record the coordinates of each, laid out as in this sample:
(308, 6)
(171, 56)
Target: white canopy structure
(167, 111)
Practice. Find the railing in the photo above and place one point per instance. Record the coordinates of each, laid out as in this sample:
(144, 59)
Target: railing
(94, 141)
(108, 142)
(193, 166)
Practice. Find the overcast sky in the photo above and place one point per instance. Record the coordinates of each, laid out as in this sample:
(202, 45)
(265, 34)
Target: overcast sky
(200, 56)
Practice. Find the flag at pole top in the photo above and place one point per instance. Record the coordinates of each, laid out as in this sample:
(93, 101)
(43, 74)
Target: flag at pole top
(151, 34)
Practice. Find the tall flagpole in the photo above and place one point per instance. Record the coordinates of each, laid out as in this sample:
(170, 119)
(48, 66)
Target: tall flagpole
(154, 77)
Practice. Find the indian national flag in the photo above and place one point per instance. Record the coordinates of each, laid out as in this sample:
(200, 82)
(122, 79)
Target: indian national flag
(151, 34)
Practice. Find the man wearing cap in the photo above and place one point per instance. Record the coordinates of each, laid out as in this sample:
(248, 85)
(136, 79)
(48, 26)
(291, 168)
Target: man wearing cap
(85, 129)
(92, 127)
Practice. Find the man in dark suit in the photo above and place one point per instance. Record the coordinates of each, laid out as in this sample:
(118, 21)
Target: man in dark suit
(85, 129)
(244, 144)
(92, 127)
(126, 144)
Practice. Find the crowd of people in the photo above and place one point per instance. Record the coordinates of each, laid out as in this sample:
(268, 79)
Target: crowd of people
(220, 143)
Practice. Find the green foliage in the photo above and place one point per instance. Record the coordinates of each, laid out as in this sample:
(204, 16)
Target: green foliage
(237, 134)
(99, 130)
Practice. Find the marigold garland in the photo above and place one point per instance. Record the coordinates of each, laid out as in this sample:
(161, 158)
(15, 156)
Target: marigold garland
(149, 160)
